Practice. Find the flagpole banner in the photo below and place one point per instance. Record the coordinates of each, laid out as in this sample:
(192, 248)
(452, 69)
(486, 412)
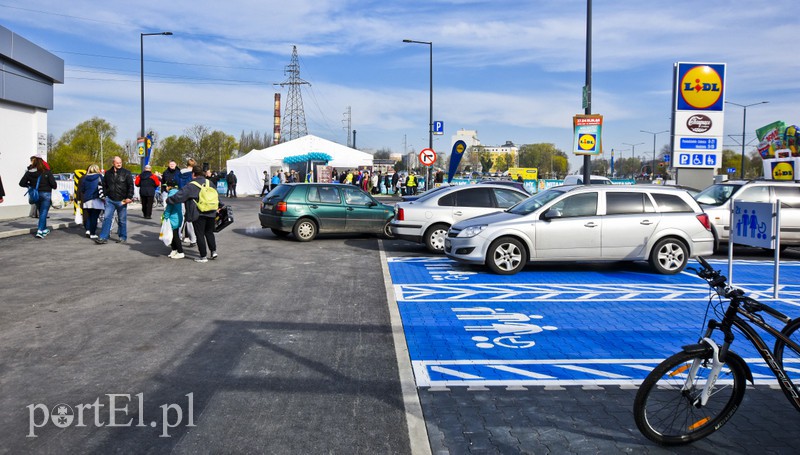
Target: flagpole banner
(455, 158)
(587, 134)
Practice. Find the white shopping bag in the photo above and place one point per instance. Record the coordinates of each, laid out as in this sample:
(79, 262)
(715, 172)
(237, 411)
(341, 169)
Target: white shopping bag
(166, 232)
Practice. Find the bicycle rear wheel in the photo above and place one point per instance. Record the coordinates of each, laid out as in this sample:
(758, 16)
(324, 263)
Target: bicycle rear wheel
(667, 408)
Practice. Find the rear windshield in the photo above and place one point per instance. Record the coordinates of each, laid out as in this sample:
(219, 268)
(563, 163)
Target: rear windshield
(278, 193)
(716, 194)
(537, 201)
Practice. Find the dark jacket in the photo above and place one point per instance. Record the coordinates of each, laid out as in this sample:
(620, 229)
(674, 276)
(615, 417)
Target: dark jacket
(118, 184)
(89, 187)
(147, 183)
(188, 195)
(395, 178)
(231, 178)
(169, 174)
(46, 184)
(2, 190)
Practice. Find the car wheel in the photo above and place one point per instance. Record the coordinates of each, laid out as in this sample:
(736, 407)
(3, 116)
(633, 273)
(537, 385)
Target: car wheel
(305, 230)
(279, 233)
(434, 237)
(669, 256)
(506, 256)
(387, 231)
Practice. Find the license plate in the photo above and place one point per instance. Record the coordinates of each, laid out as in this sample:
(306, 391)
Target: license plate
(268, 206)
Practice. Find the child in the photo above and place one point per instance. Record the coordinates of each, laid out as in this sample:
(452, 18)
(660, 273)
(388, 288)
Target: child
(173, 213)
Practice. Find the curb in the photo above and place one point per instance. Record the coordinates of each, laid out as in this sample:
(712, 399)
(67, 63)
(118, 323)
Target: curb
(31, 231)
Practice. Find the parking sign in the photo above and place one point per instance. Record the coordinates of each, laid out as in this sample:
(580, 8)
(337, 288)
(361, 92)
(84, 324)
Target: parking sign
(438, 127)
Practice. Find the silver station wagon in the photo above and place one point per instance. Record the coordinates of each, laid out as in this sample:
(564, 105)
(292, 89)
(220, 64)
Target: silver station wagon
(659, 224)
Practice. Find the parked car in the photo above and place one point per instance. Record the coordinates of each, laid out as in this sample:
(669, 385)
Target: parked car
(427, 219)
(716, 201)
(308, 209)
(511, 183)
(575, 179)
(587, 223)
(414, 197)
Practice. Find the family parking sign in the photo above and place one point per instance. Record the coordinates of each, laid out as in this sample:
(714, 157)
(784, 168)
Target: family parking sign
(752, 224)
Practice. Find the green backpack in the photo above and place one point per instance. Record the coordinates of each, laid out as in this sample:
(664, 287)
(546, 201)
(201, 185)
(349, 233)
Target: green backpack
(209, 197)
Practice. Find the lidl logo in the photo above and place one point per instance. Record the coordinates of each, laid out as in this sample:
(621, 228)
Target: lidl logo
(460, 146)
(783, 170)
(701, 86)
(587, 142)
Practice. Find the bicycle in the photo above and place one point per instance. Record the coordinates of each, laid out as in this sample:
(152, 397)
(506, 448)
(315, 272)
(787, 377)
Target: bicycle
(696, 391)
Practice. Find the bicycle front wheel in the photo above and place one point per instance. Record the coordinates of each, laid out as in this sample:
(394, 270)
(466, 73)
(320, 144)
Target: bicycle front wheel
(668, 409)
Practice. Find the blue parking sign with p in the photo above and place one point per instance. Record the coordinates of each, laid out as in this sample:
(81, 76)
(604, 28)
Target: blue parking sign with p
(438, 127)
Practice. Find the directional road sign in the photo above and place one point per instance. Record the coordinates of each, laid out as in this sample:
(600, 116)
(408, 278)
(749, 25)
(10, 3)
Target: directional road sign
(427, 157)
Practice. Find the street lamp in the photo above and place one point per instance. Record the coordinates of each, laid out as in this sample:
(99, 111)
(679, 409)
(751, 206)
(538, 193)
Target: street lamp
(633, 148)
(141, 63)
(744, 122)
(430, 114)
(653, 171)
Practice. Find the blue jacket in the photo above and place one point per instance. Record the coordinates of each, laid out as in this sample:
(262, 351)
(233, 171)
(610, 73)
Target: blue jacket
(173, 213)
(89, 188)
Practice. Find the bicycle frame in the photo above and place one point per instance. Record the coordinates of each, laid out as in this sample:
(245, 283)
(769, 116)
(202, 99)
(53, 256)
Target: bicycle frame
(734, 317)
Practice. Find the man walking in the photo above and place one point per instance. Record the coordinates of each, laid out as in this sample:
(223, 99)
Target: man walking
(147, 183)
(118, 190)
(395, 179)
(231, 179)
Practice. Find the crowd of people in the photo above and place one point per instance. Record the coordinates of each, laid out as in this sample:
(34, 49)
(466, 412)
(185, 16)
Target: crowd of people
(110, 193)
(373, 182)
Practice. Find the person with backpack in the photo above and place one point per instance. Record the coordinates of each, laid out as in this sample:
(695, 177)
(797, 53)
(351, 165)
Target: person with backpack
(40, 183)
(201, 201)
(91, 190)
(174, 213)
(184, 177)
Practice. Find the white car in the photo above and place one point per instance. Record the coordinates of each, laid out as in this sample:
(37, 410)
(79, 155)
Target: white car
(427, 219)
(588, 223)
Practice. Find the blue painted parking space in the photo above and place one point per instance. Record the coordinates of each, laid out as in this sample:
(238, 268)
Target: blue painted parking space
(561, 325)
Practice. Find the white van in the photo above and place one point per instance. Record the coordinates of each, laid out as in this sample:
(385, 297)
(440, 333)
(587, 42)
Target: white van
(577, 179)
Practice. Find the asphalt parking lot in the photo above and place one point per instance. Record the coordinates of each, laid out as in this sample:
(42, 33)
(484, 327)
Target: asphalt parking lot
(279, 347)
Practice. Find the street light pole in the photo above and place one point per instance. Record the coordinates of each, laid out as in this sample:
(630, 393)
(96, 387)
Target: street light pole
(744, 123)
(430, 113)
(633, 149)
(141, 65)
(653, 170)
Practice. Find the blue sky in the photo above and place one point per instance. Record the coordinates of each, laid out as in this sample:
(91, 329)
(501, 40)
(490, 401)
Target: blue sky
(512, 70)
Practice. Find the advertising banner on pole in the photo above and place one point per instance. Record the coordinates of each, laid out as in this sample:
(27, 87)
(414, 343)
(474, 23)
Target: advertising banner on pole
(587, 134)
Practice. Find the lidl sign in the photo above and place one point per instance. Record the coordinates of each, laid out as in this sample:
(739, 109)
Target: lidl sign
(701, 86)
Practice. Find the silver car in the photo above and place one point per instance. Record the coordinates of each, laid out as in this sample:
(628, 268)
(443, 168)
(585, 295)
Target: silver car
(427, 219)
(587, 223)
(716, 202)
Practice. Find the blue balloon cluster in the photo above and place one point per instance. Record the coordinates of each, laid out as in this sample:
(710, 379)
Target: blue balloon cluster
(313, 156)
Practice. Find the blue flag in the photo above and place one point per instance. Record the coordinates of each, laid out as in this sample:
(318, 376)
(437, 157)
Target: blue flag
(455, 158)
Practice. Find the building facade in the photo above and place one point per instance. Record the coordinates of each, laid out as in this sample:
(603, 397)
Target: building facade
(27, 76)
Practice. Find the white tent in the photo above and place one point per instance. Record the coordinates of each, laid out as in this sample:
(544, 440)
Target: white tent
(249, 169)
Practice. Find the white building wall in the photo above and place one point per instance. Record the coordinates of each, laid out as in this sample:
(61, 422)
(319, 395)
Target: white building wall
(24, 133)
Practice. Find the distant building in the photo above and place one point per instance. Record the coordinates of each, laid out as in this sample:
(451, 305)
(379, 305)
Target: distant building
(506, 150)
(26, 94)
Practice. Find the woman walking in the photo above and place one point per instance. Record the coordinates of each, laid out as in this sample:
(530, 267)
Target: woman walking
(40, 177)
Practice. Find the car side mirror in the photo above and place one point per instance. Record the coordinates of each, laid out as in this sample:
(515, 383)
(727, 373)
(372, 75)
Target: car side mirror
(552, 213)
(371, 204)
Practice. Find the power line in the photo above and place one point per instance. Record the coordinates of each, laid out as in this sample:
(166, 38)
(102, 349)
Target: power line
(63, 15)
(170, 76)
(116, 57)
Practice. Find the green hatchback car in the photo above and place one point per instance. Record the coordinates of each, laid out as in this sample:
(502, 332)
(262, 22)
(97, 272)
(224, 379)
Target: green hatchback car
(308, 209)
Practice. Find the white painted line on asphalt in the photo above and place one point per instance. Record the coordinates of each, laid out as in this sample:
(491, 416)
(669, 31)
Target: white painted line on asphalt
(593, 371)
(520, 371)
(417, 431)
(455, 373)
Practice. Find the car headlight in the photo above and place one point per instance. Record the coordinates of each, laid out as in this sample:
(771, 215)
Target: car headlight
(472, 231)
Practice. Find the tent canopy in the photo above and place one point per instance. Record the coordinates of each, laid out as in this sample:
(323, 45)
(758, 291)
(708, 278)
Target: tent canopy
(249, 169)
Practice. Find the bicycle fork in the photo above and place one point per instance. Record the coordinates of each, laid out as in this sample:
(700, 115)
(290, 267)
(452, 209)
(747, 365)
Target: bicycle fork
(716, 367)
